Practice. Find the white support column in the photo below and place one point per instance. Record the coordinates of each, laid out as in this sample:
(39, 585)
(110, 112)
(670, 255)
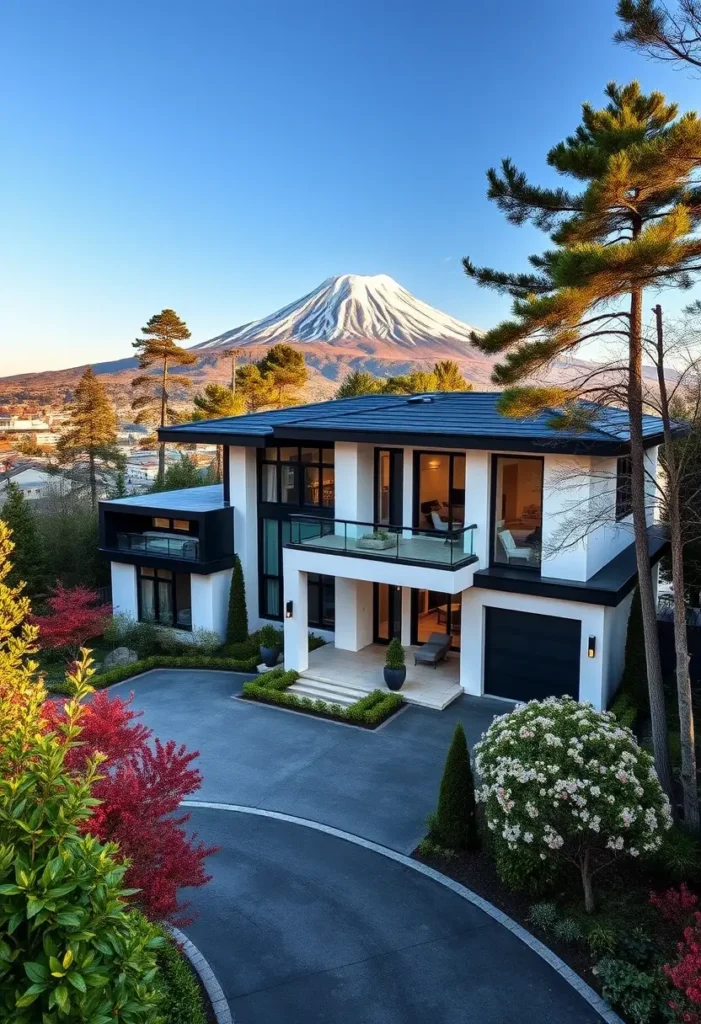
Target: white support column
(353, 614)
(477, 504)
(124, 594)
(472, 651)
(406, 616)
(296, 631)
(244, 498)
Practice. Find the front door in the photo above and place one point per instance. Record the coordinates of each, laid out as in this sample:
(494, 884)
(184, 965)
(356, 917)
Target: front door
(387, 612)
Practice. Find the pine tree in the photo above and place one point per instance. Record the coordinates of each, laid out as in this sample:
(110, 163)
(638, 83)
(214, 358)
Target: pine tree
(237, 621)
(92, 431)
(184, 473)
(27, 558)
(449, 377)
(286, 371)
(634, 678)
(359, 382)
(159, 349)
(214, 403)
(254, 387)
(455, 825)
(630, 225)
(661, 31)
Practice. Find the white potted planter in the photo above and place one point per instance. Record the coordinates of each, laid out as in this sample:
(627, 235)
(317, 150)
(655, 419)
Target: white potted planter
(380, 540)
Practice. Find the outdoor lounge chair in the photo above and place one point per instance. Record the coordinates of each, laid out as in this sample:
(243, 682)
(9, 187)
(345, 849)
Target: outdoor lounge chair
(434, 650)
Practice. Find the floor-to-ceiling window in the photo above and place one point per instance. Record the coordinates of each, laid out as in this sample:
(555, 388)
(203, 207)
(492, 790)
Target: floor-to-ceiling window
(440, 490)
(435, 612)
(164, 597)
(387, 612)
(517, 511)
(274, 534)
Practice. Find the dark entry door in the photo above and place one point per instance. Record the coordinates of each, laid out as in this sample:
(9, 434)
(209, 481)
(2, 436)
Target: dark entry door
(530, 657)
(387, 612)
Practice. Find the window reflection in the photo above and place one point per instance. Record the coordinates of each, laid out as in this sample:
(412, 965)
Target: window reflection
(518, 511)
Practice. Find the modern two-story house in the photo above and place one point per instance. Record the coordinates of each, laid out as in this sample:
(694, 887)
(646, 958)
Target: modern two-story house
(402, 516)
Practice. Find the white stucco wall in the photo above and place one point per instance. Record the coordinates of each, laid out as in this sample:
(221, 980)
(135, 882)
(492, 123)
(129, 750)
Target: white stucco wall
(244, 498)
(354, 481)
(210, 601)
(295, 628)
(124, 595)
(353, 614)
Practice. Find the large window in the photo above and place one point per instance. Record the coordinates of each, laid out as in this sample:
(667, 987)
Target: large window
(624, 495)
(440, 490)
(164, 597)
(435, 612)
(275, 533)
(298, 475)
(517, 511)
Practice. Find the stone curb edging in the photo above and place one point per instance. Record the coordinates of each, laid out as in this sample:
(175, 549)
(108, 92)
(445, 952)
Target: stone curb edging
(565, 972)
(220, 1006)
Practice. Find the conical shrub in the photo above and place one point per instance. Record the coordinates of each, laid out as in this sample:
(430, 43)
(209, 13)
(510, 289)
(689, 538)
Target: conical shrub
(237, 622)
(455, 824)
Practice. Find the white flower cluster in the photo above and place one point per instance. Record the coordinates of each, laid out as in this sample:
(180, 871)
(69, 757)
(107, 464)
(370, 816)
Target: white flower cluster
(556, 771)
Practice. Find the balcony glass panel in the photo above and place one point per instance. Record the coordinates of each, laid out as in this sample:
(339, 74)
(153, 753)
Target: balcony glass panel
(160, 544)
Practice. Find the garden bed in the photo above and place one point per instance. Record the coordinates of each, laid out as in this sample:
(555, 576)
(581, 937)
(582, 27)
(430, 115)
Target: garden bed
(103, 679)
(185, 999)
(368, 713)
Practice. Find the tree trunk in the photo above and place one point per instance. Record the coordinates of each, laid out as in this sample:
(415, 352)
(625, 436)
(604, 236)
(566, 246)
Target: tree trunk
(587, 886)
(658, 712)
(164, 408)
(92, 479)
(681, 643)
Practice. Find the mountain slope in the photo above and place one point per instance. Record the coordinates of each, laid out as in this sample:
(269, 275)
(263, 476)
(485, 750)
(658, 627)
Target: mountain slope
(355, 308)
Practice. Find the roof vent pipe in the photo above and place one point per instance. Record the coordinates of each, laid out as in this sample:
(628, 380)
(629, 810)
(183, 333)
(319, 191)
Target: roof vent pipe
(419, 398)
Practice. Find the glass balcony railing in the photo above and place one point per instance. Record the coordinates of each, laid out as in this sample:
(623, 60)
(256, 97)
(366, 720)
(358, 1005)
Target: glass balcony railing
(153, 544)
(443, 548)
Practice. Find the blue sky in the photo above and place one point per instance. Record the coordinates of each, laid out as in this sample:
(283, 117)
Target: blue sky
(225, 156)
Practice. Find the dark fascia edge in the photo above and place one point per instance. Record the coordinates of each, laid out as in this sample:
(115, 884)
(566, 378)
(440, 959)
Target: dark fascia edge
(588, 592)
(188, 565)
(162, 511)
(492, 442)
(469, 560)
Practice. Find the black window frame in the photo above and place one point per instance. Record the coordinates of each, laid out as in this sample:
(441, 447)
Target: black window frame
(271, 457)
(325, 584)
(156, 577)
(417, 485)
(534, 570)
(624, 492)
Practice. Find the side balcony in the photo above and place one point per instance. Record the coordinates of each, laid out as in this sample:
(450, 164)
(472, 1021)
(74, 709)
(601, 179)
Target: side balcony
(445, 549)
(190, 530)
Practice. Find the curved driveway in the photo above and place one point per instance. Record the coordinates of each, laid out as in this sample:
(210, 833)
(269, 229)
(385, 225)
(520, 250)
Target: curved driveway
(303, 927)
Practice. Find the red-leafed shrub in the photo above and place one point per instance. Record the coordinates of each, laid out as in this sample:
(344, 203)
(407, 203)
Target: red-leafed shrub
(674, 904)
(75, 614)
(685, 975)
(143, 784)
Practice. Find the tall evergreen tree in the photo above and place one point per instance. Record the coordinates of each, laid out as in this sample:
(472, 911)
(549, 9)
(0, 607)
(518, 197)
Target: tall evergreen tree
(359, 382)
(449, 377)
(254, 387)
(286, 371)
(669, 33)
(159, 350)
(455, 822)
(27, 559)
(237, 619)
(92, 432)
(630, 225)
(215, 402)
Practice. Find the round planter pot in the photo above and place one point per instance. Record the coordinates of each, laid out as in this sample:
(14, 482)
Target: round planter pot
(269, 656)
(394, 677)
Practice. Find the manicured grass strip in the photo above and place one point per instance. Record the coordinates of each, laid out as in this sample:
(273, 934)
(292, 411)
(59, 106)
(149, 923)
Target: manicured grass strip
(183, 1001)
(120, 672)
(370, 711)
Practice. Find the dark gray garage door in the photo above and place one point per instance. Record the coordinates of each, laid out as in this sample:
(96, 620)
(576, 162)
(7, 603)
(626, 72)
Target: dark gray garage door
(529, 657)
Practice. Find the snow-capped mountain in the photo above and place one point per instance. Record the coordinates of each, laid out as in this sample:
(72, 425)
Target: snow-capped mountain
(354, 307)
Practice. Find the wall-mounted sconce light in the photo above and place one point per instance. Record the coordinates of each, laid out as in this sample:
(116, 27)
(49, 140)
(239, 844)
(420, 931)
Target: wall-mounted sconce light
(288, 610)
(591, 649)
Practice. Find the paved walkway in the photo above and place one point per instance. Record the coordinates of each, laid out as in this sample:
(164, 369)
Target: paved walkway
(302, 927)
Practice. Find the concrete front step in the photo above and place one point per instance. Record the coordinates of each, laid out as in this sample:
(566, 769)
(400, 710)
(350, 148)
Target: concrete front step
(328, 690)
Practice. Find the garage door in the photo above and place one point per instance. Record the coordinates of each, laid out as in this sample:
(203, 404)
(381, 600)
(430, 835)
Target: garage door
(529, 657)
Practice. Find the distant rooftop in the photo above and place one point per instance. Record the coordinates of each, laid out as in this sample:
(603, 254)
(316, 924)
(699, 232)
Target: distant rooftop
(447, 419)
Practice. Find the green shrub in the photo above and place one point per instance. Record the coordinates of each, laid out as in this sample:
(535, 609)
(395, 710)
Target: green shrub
(455, 825)
(640, 995)
(182, 996)
(526, 873)
(568, 930)
(634, 678)
(395, 654)
(544, 916)
(271, 688)
(237, 620)
(269, 636)
(625, 710)
(316, 641)
(679, 857)
(601, 939)
(120, 672)
(242, 651)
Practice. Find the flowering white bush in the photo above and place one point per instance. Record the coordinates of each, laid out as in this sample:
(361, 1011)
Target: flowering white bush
(562, 779)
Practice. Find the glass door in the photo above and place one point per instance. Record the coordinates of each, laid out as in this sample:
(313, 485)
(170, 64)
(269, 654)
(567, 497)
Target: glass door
(387, 612)
(435, 612)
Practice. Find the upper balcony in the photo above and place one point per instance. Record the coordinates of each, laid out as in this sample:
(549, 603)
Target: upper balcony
(190, 530)
(436, 549)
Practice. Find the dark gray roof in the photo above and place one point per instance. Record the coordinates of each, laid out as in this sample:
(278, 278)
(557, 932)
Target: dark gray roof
(189, 499)
(456, 419)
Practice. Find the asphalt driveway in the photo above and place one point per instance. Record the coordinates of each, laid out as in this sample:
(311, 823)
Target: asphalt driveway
(380, 785)
(302, 927)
